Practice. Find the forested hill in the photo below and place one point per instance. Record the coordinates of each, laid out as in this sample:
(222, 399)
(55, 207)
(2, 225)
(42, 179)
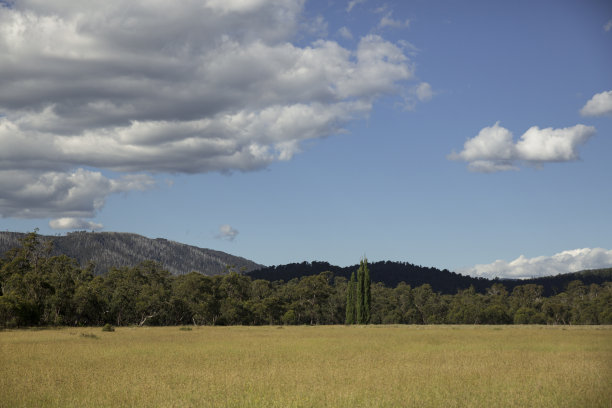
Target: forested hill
(442, 281)
(387, 272)
(114, 249)
(108, 249)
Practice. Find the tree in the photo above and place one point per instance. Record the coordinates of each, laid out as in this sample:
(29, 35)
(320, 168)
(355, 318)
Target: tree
(194, 294)
(367, 293)
(350, 300)
(360, 293)
(364, 294)
(313, 292)
(426, 303)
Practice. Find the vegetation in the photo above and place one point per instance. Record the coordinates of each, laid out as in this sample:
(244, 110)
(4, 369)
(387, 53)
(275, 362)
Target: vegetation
(351, 298)
(40, 289)
(441, 281)
(359, 296)
(309, 366)
(114, 249)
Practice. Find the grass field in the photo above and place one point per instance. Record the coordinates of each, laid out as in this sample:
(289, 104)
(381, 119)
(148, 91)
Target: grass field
(320, 366)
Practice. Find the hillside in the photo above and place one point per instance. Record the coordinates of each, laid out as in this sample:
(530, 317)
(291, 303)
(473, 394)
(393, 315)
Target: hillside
(442, 281)
(387, 272)
(107, 249)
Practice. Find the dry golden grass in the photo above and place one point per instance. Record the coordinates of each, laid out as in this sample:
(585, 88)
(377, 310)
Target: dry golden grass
(325, 366)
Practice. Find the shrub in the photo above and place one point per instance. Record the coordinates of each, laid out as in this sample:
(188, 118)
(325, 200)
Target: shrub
(108, 328)
(289, 317)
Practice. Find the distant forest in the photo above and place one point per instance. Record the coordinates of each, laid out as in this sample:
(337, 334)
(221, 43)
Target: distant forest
(39, 288)
(443, 281)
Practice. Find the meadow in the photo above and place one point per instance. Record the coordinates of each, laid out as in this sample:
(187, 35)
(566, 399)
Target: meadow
(308, 366)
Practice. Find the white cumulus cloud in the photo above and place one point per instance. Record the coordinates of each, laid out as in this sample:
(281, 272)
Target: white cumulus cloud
(494, 149)
(227, 232)
(74, 223)
(608, 26)
(563, 262)
(79, 193)
(156, 87)
(600, 104)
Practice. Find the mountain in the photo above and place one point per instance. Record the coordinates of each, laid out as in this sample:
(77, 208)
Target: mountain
(387, 272)
(108, 249)
(557, 283)
(443, 281)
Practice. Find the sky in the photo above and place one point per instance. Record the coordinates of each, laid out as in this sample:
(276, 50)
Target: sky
(474, 136)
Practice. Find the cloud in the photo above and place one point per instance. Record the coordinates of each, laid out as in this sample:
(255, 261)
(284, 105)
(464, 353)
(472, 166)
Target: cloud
(600, 104)
(424, 92)
(211, 86)
(316, 27)
(419, 93)
(608, 26)
(74, 223)
(388, 21)
(80, 193)
(353, 3)
(494, 149)
(227, 232)
(563, 262)
(345, 33)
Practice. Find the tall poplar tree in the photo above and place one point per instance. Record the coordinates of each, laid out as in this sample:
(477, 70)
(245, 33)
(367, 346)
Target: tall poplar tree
(367, 293)
(350, 300)
(360, 294)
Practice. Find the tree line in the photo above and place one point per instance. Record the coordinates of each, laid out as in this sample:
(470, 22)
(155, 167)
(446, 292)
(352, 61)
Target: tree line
(38, 289)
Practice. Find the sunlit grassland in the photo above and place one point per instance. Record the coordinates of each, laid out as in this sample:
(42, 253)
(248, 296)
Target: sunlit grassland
(320, 366)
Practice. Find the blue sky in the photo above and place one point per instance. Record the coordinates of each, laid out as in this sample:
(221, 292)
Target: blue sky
(473, 136)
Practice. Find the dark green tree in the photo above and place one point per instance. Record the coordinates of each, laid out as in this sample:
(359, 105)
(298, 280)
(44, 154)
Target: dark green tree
(359, 297)
(364, 294)
(367, 292)
(350, 300)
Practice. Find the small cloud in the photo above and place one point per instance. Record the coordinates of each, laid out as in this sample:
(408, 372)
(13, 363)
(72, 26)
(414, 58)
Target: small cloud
(388, 21)
(424, 92)
(316, 27)
(490, 166)
(408, 48)
(352, 4)
(74, 223)
(227, 232)
(420, 93)
(600, 104)
(381, 9)
(608, 26)
(574, 260)
(494, 149)
(345, 33)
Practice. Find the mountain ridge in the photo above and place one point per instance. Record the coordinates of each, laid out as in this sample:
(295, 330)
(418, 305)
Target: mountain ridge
(444, 281)
(117, 249)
